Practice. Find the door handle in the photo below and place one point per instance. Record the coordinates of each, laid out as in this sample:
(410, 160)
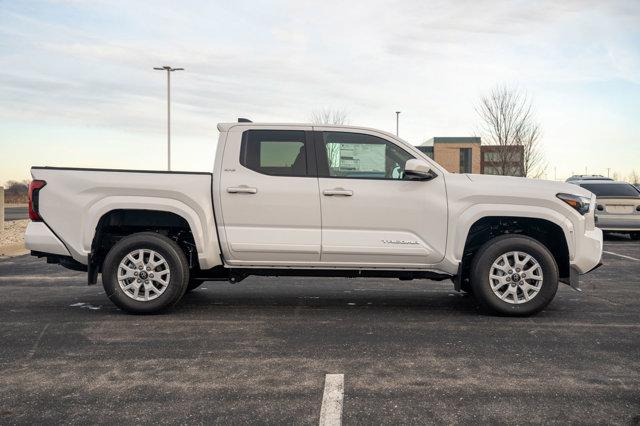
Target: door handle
(242, 189)
(337, 191)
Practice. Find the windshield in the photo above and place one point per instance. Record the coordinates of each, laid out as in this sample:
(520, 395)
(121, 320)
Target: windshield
(612, 189)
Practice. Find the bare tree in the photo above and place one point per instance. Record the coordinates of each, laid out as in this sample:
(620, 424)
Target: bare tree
(508, 122)
(329, 116)
(634, 177)
(16, 192)
(334, 117)
(533, 164)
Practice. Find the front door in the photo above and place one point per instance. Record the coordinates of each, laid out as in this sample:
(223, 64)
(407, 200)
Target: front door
(270, 198)
(371, 215)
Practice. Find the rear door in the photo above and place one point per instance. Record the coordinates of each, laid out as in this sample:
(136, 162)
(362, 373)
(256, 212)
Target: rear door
(270, 198)
(371, 215)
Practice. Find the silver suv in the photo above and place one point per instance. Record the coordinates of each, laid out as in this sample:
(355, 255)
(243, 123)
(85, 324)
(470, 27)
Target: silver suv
(617, 205)
(587, 177)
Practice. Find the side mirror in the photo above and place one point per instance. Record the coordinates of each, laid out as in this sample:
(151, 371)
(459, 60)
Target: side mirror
(418, 170)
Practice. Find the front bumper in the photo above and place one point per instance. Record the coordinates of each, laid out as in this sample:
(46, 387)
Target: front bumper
(587, 256)
(588, 251)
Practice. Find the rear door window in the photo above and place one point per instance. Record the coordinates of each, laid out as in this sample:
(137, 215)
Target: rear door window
(277, 152)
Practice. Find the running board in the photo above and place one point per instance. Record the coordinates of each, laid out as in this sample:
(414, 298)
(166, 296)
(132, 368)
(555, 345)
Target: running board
(238, 274)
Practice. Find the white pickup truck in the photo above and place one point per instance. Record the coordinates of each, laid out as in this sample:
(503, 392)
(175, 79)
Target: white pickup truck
(306, 200)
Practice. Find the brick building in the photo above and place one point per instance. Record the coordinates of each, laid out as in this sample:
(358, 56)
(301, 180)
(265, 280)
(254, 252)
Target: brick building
(456, 154)
(468, 155)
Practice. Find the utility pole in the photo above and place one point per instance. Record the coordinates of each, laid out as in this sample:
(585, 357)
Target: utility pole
(555, 173)
(169, 70)
(608, 170)
(398, 123)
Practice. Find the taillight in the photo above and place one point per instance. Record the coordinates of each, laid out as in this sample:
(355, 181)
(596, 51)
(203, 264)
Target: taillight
(34, 198)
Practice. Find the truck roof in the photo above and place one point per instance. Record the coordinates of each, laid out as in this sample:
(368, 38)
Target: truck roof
(225, 127)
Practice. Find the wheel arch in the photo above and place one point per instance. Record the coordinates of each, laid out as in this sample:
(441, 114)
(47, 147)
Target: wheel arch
(462, 223)
(138, 214)
(549, 233)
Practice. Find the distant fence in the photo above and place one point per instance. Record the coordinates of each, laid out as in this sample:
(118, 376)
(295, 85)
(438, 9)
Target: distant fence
(1, 209)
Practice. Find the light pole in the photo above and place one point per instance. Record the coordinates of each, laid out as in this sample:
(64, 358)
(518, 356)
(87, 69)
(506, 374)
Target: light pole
(169, 70)
(398, 123)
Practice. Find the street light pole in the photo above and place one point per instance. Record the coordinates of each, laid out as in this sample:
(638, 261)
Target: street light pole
(398, 123)
(169, 70)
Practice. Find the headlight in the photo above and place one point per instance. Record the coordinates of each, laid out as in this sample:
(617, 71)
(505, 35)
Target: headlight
(578, 202)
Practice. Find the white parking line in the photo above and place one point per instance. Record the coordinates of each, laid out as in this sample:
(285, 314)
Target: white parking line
(331, 410)
(620, 255)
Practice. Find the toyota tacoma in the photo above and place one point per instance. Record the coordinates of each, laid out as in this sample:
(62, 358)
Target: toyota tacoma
(307, 200)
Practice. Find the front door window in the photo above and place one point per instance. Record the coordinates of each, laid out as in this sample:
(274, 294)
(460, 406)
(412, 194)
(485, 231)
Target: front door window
(356, 155)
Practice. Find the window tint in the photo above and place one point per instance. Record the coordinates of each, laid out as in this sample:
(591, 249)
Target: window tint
(275, 152)
(612, 189)
(356, 155)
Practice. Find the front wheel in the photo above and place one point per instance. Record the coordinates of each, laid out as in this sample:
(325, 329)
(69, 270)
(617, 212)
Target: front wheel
(145, 273)
(514, 275)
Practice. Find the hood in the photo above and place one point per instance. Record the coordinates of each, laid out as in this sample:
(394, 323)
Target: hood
(520, 184)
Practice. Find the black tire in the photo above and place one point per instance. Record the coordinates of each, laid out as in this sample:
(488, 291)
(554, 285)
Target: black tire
(490, 252)
(176, 261)
(634, 235)
(193, 284)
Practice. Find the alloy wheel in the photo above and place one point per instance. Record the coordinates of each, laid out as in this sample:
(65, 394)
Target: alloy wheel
(143, 275)
(516, 277)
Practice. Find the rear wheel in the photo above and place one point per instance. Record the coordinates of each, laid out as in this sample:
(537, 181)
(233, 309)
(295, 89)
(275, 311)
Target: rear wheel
(514, 275)
(145, 273)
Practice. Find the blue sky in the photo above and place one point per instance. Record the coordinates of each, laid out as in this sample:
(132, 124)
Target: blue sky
(77, 86)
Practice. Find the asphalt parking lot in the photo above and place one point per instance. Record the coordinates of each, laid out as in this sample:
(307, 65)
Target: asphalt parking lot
(258, 352)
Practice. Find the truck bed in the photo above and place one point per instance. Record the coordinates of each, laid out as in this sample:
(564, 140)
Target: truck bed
(74, 199)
